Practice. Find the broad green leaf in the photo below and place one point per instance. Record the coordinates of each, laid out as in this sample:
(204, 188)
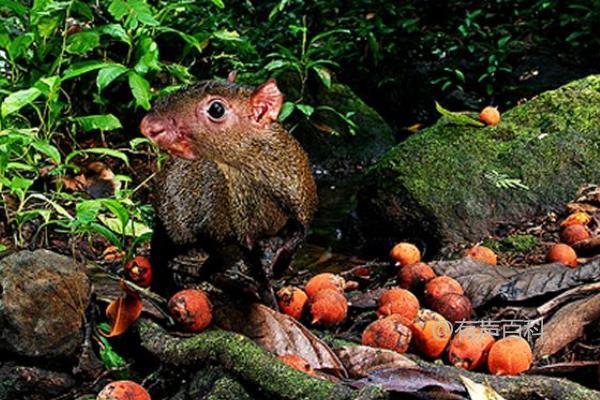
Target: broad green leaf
(83, 68)
(16, 100)
(110, 358)
(47, 149)
(79, 7)
(456, 117)
(82, 42)
(107, 233)
(117, 209)
(14, 6)
(286, 109)
(104, 122)
(276, 64)
(118, 9)
(116, 31)
(305, 109)
(20, 45)
(226, 35)
(189, 39)
(218, 3)
(324, 75)
(132, 228)
(143, 13)
(149, 55)
(108, 74)
(140, 88)
(100, 150)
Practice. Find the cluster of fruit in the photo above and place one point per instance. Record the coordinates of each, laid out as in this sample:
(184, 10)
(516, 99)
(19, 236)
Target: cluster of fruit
(573, 229)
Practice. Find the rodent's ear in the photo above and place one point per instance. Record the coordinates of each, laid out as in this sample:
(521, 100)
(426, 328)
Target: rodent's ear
(266, 102)
(231, 77)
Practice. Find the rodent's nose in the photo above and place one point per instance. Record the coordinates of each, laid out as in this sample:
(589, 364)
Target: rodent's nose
(152, 126)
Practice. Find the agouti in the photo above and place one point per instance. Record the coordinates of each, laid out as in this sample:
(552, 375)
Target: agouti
(235, 177)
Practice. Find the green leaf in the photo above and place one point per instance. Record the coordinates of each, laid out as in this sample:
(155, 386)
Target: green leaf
(16, 100)
(131, 229)
(83, 68)
(140, 88)
(276, 64)
(82, 42)
(189, 39)
(47, 149)
(20, 45)
(100, 150)
(104, 122)
(286, 109)
(112, 360)
(456, 117)
(459, 75)
(226, 35)
(14, 6)
(218, 3)
(108, 74)
(116, 31)
(305, 109)
(324, 75)
(149, 55)
(118, 9)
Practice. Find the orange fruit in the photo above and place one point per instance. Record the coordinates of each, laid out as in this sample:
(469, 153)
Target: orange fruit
(405, 253)
(482, 254)
(562, 253)
(510, 356)
(490, 115)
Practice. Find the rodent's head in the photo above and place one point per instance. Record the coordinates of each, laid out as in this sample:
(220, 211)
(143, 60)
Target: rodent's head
(211, 117)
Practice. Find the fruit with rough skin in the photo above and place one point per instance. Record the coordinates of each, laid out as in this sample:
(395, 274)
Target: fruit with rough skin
(453, 306)
(470, 347)
(123, 390)
(191, 309)
(297, 362)
(415, 276)
(398, 301)
(562, 253)
(328, 307)
(510, 356)
(490, 115)
(322, 281)
(405, 253)
(440, 286)
(431, 333)
(139, 271)
(292, 301)
(572, 234)
(482, 254)
(390, 333)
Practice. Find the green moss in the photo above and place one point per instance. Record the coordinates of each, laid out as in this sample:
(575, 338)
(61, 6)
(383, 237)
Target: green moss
(517, 243)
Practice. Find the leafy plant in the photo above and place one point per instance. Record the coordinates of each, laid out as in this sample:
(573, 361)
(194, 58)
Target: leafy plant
(503, 181)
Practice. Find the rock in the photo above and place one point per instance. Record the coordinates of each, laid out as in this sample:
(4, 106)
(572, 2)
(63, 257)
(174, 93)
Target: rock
(43, 299)
(439, 186)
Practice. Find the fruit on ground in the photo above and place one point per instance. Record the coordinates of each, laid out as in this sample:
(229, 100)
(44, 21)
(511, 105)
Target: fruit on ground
(324, 281)
(191, 309)
(482, 254)
(123, 390)
(510, 356)
(328, 307)
(453, 306)
(490, 115)
(562, 253)
(577, 218)
(405, 254)
(574, 233)
(431, 333)
(297, 362)
(470, 347)
(440, 286)
(398, 301)
(415, 276)
(292, 301)
(139, 271)
(390, 333)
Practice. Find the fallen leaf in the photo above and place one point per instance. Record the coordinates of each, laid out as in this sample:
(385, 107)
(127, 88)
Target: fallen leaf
(484, 282)
(360, 361)
(366, 300)
(280, 334)
(567, 325)
(407, 380)
(477, 391)
(96, 178)
(112, 253)
(123, 312)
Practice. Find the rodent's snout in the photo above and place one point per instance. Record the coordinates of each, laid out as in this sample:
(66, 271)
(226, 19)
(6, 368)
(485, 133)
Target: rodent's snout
(153, 126)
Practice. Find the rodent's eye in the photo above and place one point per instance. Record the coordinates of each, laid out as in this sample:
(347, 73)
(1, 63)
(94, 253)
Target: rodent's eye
(216, 110)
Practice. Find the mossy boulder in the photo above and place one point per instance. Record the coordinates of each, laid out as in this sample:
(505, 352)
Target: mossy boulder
(442, 184)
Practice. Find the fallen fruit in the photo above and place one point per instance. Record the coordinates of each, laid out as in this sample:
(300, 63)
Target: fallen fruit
(572, 234)
(297, 362)
(510, 356)
(324, 281)
(291, 301)
(405, 254)
(563, 254)
(191, 309)
(328, 307)
(470, 347)
(453, 306)
(390, 333)
(139, 271)
(398, 301)
(577, 218)
(482, 254)
(431, 333)
(440, 286)
(415, 276)
(123, 390)
(490, 115)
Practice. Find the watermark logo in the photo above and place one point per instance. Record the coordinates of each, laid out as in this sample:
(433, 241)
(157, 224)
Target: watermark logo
(528, 329)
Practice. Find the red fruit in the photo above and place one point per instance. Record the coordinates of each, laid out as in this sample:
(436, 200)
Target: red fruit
(292, 301)
(405, 254)
(298, 363)
(390, 333)
(328, 307)
(139, 271)
(577, 218)
(490, 115)
(453, 306)
(571, 234)
(470, 347)
(440, 286)
(324, 281)
(482, 254)
(191, 309)
(398, 301)
(123, 390)
(431, 333)
(562, 253)
(415, 276)
(510, 356)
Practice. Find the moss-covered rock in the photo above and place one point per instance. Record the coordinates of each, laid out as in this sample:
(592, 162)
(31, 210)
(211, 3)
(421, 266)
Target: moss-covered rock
(442, 183)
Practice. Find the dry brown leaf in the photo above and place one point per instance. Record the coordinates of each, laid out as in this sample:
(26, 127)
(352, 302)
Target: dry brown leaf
(409, 380)
(280, 334)
(567, 325)
(96, 178)
(123, 312)
(359, 361)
